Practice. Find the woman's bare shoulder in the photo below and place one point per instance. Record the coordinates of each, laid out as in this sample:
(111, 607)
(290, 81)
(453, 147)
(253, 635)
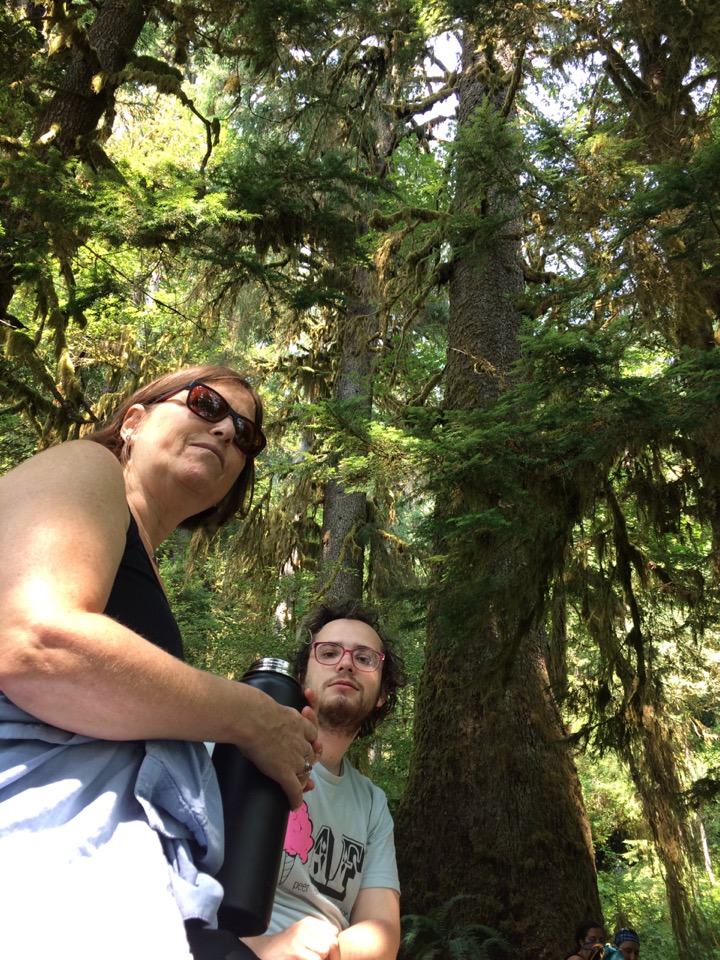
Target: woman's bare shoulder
(78, 471)
(78, 455)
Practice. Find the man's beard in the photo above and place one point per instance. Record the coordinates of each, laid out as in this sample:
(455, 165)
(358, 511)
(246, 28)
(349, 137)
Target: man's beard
(340, 716)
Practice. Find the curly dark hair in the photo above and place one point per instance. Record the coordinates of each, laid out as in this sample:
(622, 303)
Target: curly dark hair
(239, 498)
(393, 668)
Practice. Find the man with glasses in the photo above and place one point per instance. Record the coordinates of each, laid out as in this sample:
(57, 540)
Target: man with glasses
(338, 891)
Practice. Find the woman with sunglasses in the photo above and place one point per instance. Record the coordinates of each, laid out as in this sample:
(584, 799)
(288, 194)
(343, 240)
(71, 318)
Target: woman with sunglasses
(110, 824)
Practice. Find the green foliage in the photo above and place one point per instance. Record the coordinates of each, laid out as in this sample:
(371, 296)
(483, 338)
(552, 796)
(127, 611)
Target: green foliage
(17, 443)
(300, 204)
(442, 933)
(17, 46)
(598, 466)
(632, 886)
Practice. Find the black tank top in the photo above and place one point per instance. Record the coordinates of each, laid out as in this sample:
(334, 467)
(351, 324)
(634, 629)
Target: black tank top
(137, 599)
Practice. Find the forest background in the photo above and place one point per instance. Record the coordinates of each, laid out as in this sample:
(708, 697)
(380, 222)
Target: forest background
(469, 253)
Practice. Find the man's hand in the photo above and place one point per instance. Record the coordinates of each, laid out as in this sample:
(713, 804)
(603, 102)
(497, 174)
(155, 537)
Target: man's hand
(308, 939)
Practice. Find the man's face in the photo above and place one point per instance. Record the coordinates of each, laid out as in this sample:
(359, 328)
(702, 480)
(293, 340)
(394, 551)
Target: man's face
(346, 695)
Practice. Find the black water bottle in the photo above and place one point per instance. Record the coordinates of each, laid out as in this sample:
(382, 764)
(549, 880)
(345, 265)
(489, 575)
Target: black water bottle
(256, 811)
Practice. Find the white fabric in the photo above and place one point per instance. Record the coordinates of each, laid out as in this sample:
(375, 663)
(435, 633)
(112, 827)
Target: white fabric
(105, 847)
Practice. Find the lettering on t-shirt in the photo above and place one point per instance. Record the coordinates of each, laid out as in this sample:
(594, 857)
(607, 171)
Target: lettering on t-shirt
(334, 883)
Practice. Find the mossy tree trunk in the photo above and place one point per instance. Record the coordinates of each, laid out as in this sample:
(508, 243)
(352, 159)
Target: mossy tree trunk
(345, 512)
(493, 805)
(84, 95)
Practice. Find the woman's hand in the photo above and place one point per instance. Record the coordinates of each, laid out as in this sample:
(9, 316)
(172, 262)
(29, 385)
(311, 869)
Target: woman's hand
(280, 741)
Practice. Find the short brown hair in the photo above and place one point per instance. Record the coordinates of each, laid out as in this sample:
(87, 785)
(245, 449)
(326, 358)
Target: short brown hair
(239, 498)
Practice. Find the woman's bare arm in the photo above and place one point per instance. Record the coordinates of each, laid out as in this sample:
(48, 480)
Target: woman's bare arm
(63, 521)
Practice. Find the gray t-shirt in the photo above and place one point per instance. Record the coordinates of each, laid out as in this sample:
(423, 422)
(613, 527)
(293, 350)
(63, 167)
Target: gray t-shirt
(339, 842)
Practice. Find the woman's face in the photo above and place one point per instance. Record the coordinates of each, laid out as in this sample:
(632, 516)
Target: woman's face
(182, 457)
(593, 936)
(629, 949)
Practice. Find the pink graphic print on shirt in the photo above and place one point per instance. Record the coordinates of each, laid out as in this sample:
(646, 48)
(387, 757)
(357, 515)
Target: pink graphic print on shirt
(298, 839)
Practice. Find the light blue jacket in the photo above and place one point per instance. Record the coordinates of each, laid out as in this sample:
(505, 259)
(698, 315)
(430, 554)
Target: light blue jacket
(71, 805)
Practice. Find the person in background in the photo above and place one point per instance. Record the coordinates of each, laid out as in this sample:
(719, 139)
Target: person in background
(627, 946)
(338, 892)
(110, 818)
(589, 937)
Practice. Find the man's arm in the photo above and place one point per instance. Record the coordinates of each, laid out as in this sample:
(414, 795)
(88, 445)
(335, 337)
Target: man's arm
(309, 939)
(374, 931)
(373, 934)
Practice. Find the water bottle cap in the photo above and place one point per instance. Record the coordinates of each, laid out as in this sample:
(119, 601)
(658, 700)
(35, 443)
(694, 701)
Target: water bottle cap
(272, 665)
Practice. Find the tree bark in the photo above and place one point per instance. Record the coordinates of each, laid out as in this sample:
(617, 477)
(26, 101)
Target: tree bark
(493, 805)
(345, 513)
(81, 101)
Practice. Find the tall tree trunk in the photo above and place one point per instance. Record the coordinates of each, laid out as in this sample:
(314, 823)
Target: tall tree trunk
(345, 513)
(493, 805)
